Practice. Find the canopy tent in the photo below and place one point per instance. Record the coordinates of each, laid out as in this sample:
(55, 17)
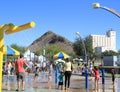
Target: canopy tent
(59, 61)
(9, 51)
(61, 55)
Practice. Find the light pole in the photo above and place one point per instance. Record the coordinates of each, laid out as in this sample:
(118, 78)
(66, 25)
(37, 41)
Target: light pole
(86, 60)
(77, 33)
(97, 5)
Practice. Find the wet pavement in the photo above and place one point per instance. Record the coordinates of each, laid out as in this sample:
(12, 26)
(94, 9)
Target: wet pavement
(77, 84)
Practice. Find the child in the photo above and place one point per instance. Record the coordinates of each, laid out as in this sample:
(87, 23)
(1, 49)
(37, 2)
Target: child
(60, 83)
(83, 71)
(90, 68)
(113, 76)
(97, 77)
(36, 74)
(49, 79)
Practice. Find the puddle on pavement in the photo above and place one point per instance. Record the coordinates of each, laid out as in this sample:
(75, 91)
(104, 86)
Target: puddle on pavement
(42, 85)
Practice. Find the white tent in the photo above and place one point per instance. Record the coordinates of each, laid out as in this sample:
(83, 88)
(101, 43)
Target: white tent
(28, 55)
(59, 61)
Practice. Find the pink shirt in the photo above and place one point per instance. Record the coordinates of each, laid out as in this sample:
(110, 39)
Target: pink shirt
(19, 65)
(97, 75)
(96, 72)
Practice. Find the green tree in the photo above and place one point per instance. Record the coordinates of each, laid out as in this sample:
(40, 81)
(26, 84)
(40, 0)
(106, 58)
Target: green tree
(79, 49)
(118, 52)
(21, 49)
(110, 53)
(50, 51)
(88, 45)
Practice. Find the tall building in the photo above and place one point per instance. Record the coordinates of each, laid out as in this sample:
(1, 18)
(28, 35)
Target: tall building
(102, 43)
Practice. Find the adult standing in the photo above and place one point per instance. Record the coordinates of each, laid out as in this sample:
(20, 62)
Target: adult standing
(68, 67)
(20, 72)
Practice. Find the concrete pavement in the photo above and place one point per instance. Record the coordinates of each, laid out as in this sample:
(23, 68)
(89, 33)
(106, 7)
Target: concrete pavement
(77, 84)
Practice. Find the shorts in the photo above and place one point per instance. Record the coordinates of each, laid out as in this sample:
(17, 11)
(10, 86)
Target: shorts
(60, 83)
(50, 78)
(36, 74)
(97, 77)
(113, 78)
(20, 76)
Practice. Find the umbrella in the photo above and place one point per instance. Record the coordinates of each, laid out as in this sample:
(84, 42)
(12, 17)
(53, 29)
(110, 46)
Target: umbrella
(61, 55)
(9, 51)
(59, 61)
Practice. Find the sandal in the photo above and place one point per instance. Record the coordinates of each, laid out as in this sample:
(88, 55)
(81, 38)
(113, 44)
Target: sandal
(16, 90)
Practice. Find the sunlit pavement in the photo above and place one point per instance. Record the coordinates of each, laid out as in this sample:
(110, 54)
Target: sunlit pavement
(77, 84)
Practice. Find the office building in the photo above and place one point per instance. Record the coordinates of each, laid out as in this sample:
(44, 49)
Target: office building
(102, 43)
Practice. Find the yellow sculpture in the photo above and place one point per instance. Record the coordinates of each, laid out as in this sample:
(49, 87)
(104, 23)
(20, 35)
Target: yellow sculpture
(9, 29)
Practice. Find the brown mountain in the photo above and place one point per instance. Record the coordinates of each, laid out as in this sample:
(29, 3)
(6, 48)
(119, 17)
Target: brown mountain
(50, 38)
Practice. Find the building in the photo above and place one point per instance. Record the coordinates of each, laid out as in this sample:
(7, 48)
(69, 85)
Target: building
(102, 43)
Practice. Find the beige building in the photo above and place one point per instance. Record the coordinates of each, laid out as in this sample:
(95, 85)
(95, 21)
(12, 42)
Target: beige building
(104, 42)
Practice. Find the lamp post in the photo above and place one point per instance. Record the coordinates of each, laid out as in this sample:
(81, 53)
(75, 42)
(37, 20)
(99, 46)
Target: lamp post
(77, 33)
(97, 5)
(9, 29)
(86, 60)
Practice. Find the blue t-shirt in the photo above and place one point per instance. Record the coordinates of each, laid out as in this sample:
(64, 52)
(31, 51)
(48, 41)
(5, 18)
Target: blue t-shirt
(61, 77)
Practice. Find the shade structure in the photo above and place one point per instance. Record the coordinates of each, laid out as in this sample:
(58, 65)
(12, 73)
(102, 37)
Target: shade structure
(9, 51)
(59, 61)
(61, 55)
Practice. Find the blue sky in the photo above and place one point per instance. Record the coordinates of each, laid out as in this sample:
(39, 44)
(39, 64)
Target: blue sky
(63, 17)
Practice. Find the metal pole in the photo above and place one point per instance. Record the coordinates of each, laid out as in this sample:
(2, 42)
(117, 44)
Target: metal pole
(84, 48)
(111, 10)
(103, 76)
(56, 75)
(97, 5)
(86, 79)
(86, 60)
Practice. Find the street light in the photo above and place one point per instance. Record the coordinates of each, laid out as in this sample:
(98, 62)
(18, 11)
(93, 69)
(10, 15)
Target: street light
(78, 33)
(86, 71)
(97, 5)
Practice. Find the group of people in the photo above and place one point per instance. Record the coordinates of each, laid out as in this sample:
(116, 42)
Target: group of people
(20, 71)
(94, 71)
(97, 77)
(19, 67)
(65, 72)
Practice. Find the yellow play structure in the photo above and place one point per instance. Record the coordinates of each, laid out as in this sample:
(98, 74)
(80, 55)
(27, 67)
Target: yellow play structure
(9, 29)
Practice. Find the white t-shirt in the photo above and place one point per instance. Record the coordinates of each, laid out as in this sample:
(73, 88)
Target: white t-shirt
(30, 63)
